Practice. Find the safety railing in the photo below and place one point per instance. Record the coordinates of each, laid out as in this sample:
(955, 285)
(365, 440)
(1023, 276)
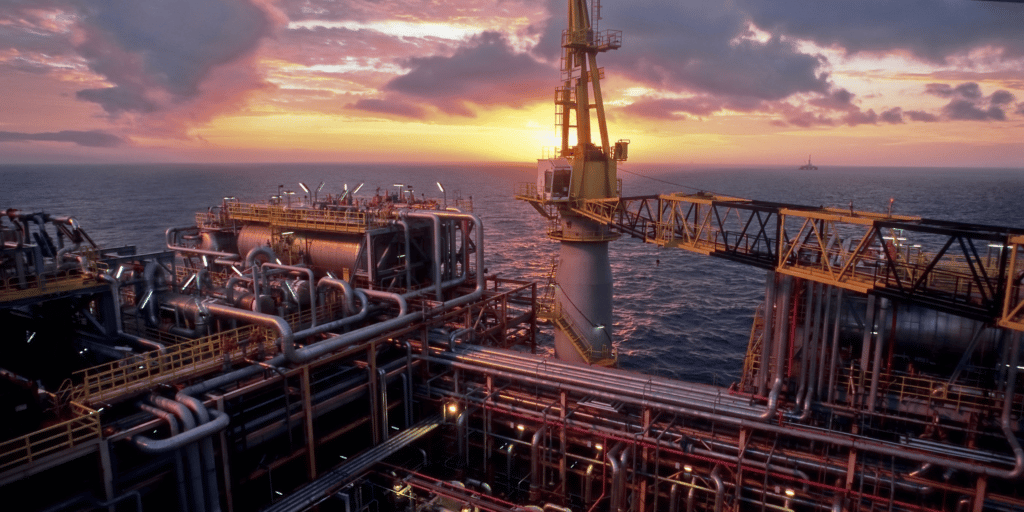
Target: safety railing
(604, 357)
(752, 361)
(144, 371)
(82, 428)
(905, 387)
(546, 303)
(14, 288)
(338, 221)
(526, 190)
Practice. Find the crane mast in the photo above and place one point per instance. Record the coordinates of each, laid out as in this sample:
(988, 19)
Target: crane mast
(579, 298)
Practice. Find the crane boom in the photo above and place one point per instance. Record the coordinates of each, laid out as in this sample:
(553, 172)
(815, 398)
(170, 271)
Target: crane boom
(971, 270)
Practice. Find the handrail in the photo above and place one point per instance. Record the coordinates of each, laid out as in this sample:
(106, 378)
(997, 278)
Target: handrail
(79, 430)
(139, 372)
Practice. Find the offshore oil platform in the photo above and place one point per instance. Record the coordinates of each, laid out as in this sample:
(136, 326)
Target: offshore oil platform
(329, 355)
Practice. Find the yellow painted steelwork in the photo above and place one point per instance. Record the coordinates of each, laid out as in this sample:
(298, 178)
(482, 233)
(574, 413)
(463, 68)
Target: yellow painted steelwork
(327, 221)
(854, 250)
(125, 377)
(82, 430)
(1013, 304)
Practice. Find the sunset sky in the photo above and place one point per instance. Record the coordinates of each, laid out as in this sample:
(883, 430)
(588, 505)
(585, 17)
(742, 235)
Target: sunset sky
(853, 82)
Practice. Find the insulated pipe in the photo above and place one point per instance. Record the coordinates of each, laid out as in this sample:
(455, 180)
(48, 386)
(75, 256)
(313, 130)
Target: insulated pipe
(822, 341)
(767, 334)
(341, 321)
(588, 484)
(172, 234)
(716, 479)
(407, 246)
(115, 291)
(188, 425)
(382, 378)
(1009, 392)
(536, 479)
(203, 417)
(312, 289)
(876, 364)
(345, 287)
(780, 349)
(712, 398)
(436, 217)
(673, 498)
(150, 278)
(359, 335)
(250, 258)
(403, 307)
(616, 464)
(179, 468)
(834, 356)
(285, 340)
(619, 491)
(857, 442)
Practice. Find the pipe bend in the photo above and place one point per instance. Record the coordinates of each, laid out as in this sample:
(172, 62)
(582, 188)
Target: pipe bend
(286, 339)
(345, 287)
(403, 306)
(219, 422)
(250, 258)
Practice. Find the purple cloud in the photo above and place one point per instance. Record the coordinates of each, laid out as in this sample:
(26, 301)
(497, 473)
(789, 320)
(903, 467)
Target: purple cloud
(892, 116)
(392, 107)
(91, 138)
(160, 48)
(485, 72)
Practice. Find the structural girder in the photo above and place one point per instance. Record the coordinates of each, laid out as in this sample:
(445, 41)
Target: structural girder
(961, 268)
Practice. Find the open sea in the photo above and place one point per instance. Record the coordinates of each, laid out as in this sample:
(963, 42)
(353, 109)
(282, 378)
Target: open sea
(687, 317)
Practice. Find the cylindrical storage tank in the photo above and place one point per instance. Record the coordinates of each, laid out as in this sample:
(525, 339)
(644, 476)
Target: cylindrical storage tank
(324, 251)
(215, 240)
(935, 340)
(585, 294)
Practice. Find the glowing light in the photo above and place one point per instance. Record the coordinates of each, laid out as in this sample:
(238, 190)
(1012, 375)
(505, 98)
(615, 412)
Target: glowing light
(790, 493)
(687, 468)
(520, 427)
(396, 28)
(599, 447)
(453, 408)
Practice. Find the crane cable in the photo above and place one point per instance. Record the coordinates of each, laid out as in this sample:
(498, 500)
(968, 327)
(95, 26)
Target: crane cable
(620, 169)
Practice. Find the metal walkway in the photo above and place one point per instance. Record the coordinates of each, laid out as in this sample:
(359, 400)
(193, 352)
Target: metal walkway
(315, 491)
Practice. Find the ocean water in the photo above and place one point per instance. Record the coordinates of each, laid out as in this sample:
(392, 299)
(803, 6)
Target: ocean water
(676, 314)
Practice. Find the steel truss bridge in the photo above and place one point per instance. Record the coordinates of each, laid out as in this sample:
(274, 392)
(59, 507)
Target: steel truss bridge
(971, 270)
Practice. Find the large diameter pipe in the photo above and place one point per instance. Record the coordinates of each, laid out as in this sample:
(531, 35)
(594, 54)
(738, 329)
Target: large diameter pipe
(312, 289)
(172, 234)
(188, 424)
(203, 417)
(362, 334)
(179, 468)
(844, 440)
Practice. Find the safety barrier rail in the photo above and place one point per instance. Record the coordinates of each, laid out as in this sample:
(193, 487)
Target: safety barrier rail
(605, 357)
(79, 430)
(336, 221)
(140, 372)
(752, 361)
(12, 288)
(902, 387)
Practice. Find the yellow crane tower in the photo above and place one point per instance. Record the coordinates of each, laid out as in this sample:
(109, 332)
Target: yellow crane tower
(580, 299)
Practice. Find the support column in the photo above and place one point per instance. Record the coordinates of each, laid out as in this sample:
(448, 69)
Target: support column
(307, 407)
